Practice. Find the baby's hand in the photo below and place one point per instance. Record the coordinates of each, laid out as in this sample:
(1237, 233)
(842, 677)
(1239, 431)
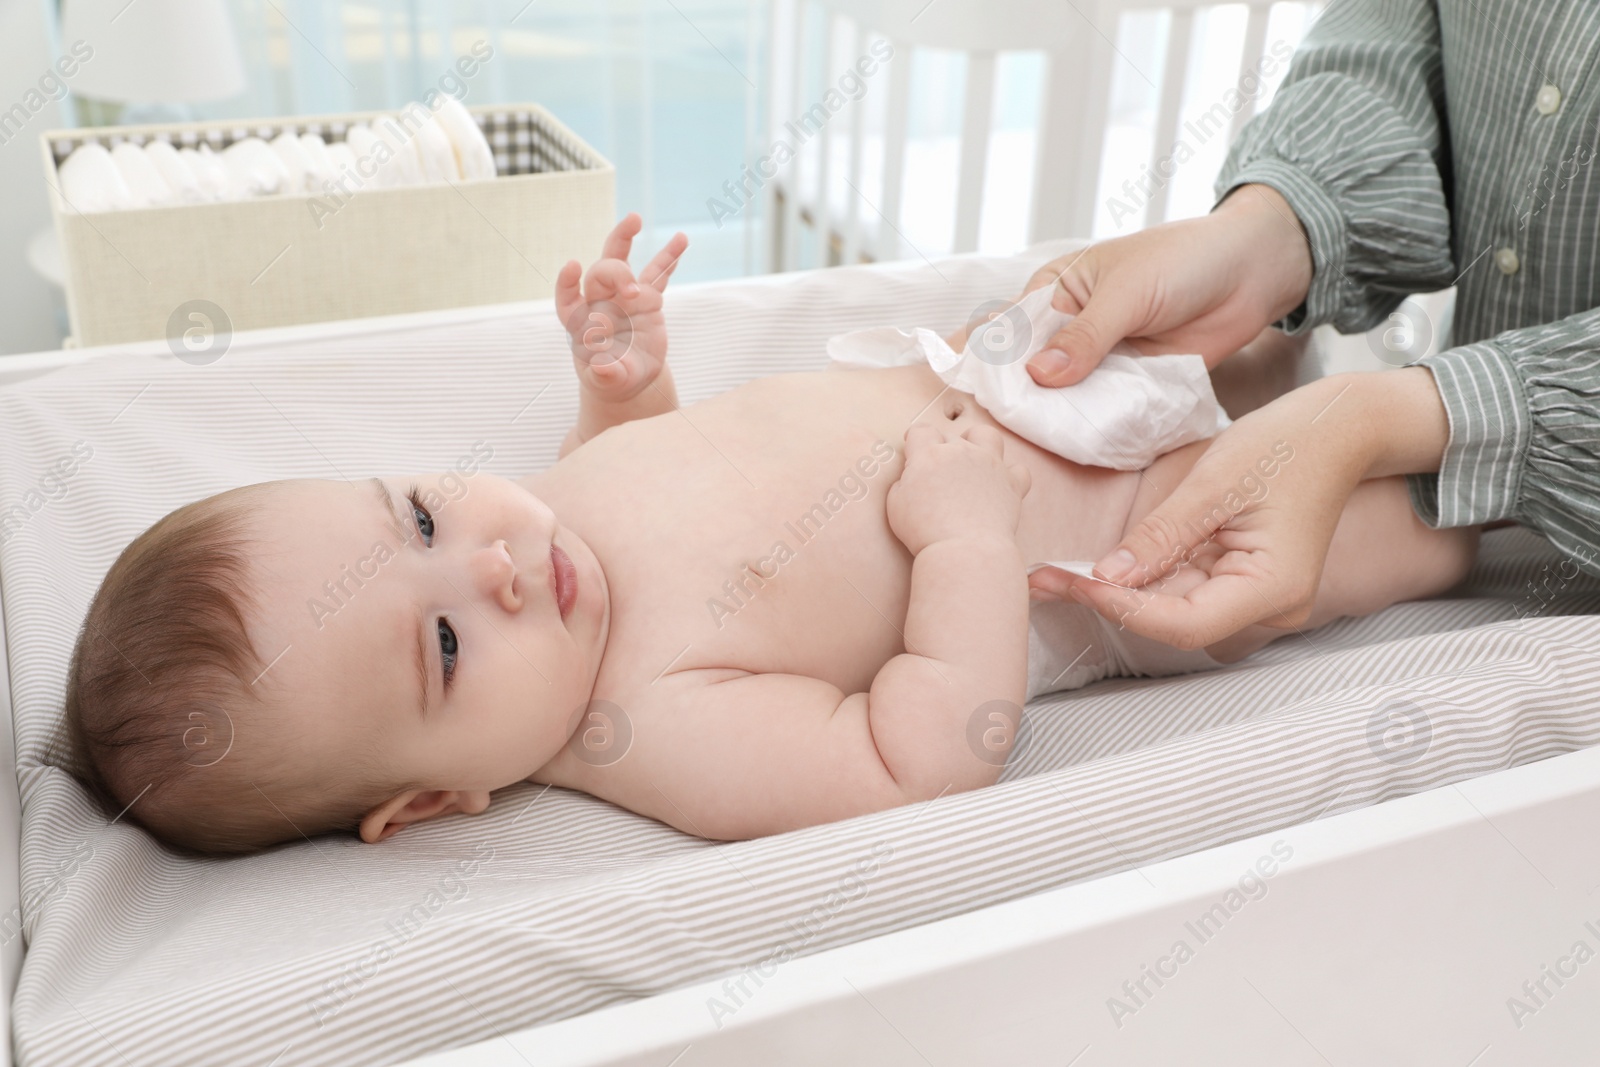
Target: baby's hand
(619, 338)
(955, 485)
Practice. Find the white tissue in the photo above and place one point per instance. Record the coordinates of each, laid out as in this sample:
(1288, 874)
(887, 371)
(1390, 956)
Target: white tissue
(1084, 568)
(90, 181)
(473, 158)
(1130, 410)
(179, 176)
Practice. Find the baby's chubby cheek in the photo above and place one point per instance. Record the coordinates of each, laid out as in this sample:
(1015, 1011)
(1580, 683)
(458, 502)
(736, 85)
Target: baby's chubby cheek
(536, 700)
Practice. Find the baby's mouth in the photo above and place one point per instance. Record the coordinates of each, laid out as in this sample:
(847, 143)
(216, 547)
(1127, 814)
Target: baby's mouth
(563, 579)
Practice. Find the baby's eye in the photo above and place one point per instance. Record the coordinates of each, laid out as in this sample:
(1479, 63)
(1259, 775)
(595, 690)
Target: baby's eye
(422, 516)
(448, 647)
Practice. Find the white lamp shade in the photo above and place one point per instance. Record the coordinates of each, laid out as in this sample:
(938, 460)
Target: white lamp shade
(173, 51)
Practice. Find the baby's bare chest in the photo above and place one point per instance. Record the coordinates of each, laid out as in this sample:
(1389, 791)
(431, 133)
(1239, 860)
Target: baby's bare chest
(750, 532)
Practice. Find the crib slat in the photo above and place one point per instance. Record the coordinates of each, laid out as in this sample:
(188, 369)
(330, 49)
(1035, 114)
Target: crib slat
(895, 124)
(1172, 84)
(1255, 46)
(791, 183)
(851, 252)
(974, 148)
(822, 207)
(757, 231)
(780, 21)
(1072, 125)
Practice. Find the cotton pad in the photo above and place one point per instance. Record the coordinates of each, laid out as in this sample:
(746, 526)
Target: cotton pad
(435, 157)
(215, 181)
(177, 173)
(402, 162)
(343, 160)
(473, 158)
(91, 182)
(364, 144)
(145, 182)
(293, 157)
(255, 168)
(319, 165)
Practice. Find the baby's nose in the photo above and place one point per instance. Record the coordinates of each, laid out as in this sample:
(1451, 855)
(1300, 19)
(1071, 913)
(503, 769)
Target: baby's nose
(496, 574)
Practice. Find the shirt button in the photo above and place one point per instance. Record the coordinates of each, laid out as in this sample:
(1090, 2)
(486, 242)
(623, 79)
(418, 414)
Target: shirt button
(1506, 260)
(1548, 102)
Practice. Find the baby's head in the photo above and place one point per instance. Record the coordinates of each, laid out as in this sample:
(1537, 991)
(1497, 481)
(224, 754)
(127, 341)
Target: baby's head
(290, 658)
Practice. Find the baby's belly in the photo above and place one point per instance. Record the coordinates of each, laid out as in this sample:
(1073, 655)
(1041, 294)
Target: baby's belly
(1071, 511)
(749, 532)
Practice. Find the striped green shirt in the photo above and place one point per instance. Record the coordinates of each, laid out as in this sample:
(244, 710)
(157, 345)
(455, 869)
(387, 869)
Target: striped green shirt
(1430, 142)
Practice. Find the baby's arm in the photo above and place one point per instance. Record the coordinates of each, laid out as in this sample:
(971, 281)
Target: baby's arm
(730, 755)
(618, 334)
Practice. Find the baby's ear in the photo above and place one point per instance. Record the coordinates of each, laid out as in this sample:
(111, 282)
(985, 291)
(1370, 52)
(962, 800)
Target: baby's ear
(415, 805)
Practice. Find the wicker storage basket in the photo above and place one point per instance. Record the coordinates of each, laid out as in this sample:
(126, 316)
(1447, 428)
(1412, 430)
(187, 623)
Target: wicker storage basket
(138, 275)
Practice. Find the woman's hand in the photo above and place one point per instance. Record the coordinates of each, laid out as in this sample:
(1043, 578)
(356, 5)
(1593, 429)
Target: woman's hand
(1267, 494)
(1207, 285)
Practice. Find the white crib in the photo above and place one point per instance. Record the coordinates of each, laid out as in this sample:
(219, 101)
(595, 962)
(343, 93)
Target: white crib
(1078, 41)
(821, 209)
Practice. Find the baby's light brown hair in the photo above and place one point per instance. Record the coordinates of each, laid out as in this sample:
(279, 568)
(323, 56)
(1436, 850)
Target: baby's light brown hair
(169, 716)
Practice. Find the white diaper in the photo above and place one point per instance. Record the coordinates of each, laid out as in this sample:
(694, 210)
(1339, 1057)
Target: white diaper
(1130, 410)
(1071, 645)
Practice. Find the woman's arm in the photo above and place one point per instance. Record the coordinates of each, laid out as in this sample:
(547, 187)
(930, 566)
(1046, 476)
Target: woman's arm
(1504, 429)
(1262, 505)
(1355, 142)
(1524, 435)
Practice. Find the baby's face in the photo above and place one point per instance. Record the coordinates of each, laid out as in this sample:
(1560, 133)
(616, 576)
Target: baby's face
(454, 640)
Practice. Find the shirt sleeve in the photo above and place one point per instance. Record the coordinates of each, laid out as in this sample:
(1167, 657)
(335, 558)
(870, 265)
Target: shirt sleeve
(1353, 141)
(1524, 411)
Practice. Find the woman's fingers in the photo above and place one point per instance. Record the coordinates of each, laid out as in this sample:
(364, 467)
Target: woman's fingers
(1112, 313)
(1062, 273)
(1244, 537)
(1217, 608)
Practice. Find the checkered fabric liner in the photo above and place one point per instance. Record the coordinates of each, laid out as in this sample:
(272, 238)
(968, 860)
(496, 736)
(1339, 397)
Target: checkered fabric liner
(522, 143)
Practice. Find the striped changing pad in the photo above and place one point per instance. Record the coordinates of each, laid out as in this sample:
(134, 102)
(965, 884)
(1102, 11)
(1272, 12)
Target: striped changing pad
(553, 903)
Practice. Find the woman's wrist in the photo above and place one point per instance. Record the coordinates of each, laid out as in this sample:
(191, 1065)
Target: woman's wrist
(1274, 252)
(1408, 425)
(1379, 422)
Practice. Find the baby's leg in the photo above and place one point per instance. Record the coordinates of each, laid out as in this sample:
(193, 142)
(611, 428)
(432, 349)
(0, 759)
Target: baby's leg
(1260, 372)
(1381, 554)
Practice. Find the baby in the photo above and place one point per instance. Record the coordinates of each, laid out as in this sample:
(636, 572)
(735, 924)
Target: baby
(799, 601)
